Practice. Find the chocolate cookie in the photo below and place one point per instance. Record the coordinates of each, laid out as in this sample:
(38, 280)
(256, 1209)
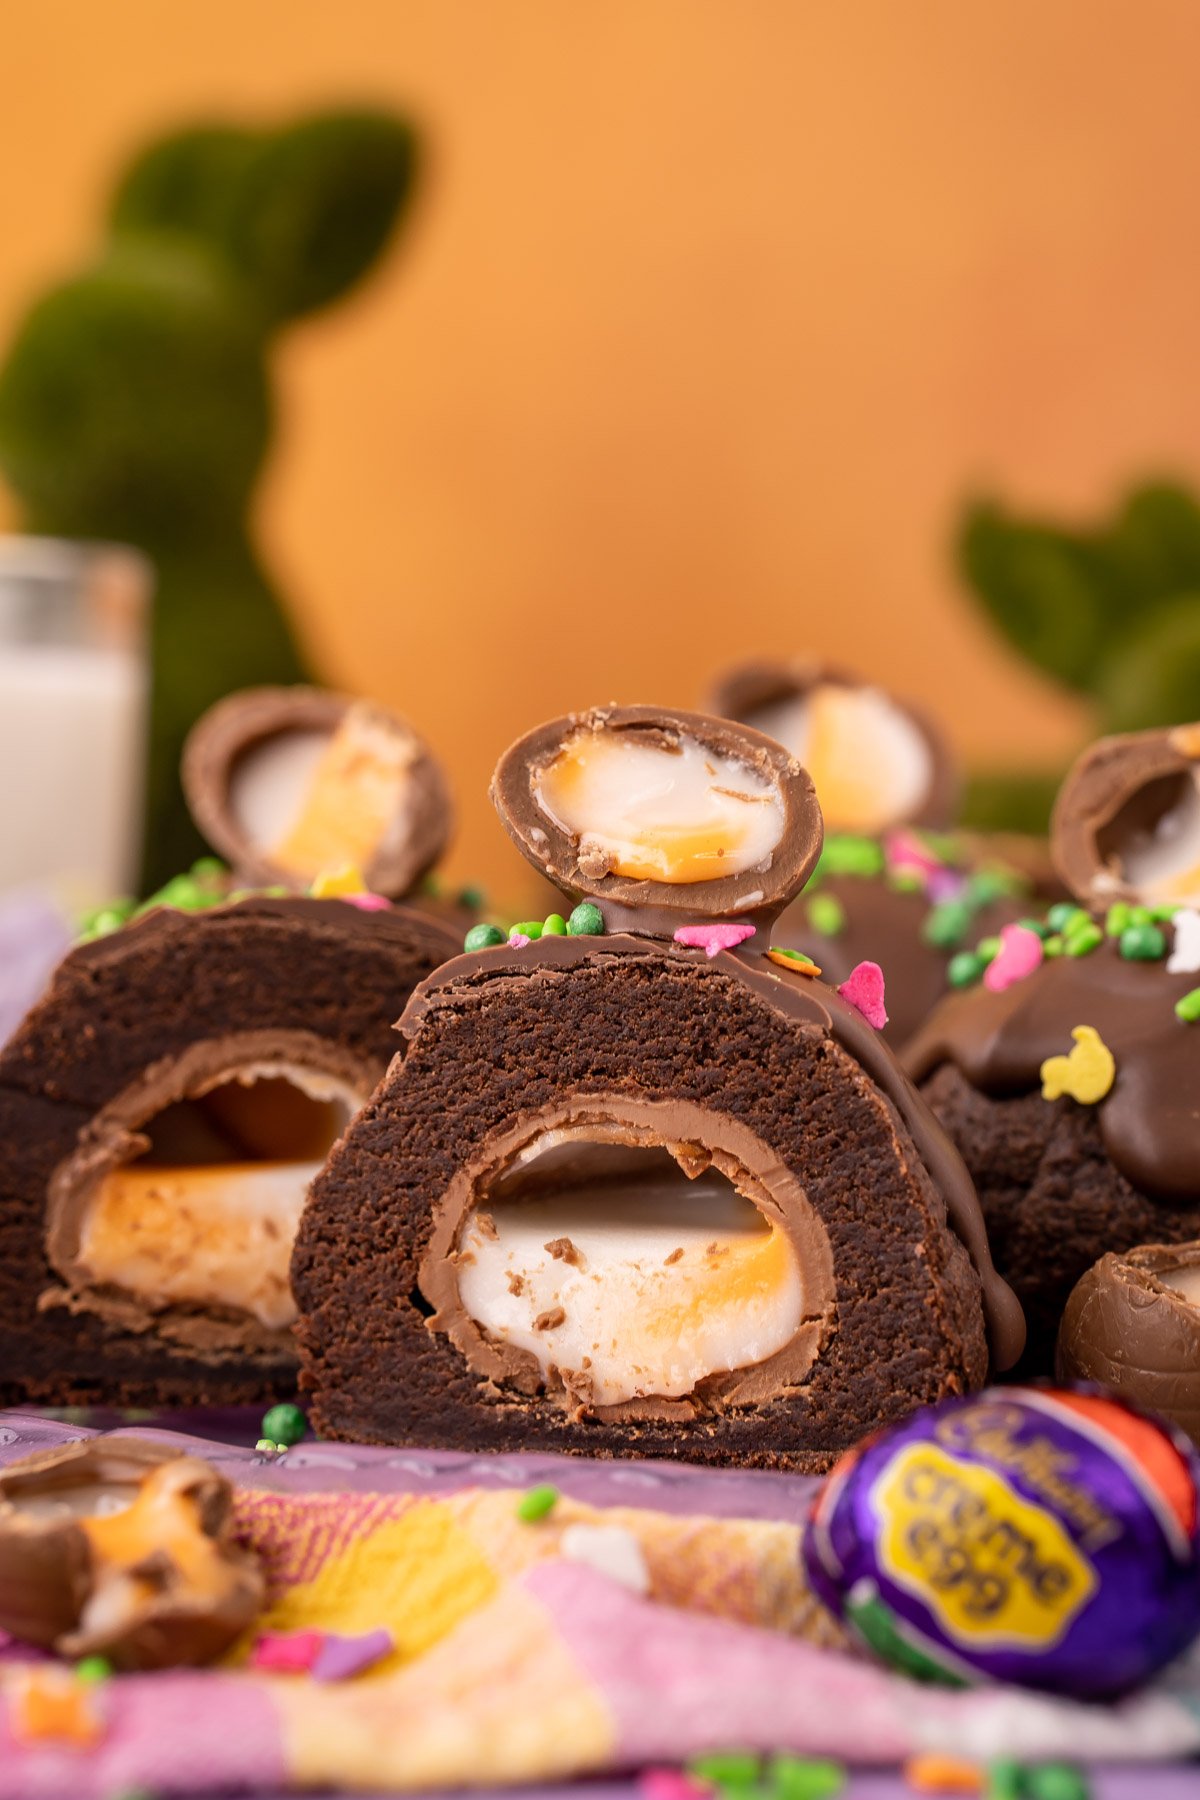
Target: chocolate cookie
(1069, 1075)
(162, 1110)
(654, 1190)
(893, 884)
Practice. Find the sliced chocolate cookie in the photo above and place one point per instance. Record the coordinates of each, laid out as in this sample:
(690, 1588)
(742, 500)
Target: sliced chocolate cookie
(162, 1111)
(646, 1191)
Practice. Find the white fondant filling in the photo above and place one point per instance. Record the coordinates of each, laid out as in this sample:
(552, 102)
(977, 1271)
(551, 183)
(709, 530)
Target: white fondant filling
(654, 814)
(1184, 1280)
(668, 1280)
(869, 763)
(1163, 865)
(272, 780)
(193, 1222)
(97, 1501)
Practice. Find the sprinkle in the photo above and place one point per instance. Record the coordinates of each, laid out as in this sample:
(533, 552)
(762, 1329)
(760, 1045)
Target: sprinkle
(669, 1784)
(91, 1670)
(529, 929)
(946, 924)
(947, 884)
(368, 902)
(987, 948)
(1082, 940)
(727, 1768)
(1019, 955)
(483, 937)
(1055, 1781)
(932, 1774)
(794, 960)
(284, 1424)
(1059, 916)
(1188, 1008)
(518, 940)
(905, 850)
(721, 934)
(341, 1657)
(990, 885)
(1038, 925)
(50, 1703)
(609, 1549)
(268, 1447)
(845, 854)
(536, 1502)
(1142, 943)
(586, 921)
(907, 881)
(1054, 945)
(1006, 1779)
(964, 969)
(471, 899)
(804, 1778)
(863, 988)
(335, 884)
(1086, 1073)
(826, 914)
(1116, 919)
(1185, 956)
(554, 926)
(286, 1652)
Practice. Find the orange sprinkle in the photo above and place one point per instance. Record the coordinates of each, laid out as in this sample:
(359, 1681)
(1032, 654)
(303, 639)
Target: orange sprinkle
(934, 1774)
(794, 963)
(48, 1704)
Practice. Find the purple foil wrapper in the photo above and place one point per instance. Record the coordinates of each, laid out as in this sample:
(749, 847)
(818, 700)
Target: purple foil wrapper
(1041, 1536)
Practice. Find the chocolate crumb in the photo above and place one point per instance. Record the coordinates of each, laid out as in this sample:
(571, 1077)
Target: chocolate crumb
(674, 1256)
(548, 1321)
(486, 1226)
(563, 1250)
(516, 1283)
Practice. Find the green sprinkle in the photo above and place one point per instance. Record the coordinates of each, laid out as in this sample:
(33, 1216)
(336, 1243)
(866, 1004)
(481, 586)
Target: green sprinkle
(905, 881)
(530, 928)
(1116, 919)
(988, 886)
(1005, 1780)
(1142, 942)
(1188, 1008)
(826, 914)
(844, 854)
(1053, 946)
(1061, 913)
(1037, 925)
(1141, 915)
(804, 1778)
(800, 956)
(586, 921)
(946, 924)
(964, 969)
(988, 948)
(727, 1768)
(267, 1446)
(207, 867)
(1056, 1781)
(1162, 915)
(536, 1502)
(472, 899)
(284, 1424)
(107, 919)
(92, 1670)
(483, 937)
(554, 926)
(1082, 942)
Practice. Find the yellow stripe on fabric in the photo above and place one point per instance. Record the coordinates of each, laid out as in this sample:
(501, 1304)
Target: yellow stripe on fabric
(419, 1575)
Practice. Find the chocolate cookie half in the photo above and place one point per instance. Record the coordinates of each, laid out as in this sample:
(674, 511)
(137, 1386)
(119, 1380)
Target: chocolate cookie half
(162, 1111)
(1073, 1088)
(653, 1192)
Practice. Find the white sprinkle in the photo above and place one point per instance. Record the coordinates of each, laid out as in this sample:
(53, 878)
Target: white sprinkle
(1185, 957)
(611, 1551)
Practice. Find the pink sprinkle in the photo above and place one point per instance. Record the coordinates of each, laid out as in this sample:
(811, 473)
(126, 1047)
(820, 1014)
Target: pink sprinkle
(945, 884)
(368, 902)
(863, 988)
(286, 1652)
(670, 1784)
(518, 940)
(340, 1657)
(905, 851)
(721, 935)
(1019, 954)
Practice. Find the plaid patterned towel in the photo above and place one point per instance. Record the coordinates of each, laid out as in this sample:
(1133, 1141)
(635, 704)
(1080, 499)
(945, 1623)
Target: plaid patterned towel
(517, 1659)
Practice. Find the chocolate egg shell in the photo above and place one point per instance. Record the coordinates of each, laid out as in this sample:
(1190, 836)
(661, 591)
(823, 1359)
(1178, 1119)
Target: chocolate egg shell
(760, 694)
(253, 736)
(169, 1585)
(657, 906)
(1126, 824)
(1127, 1327)
(1037, 1536)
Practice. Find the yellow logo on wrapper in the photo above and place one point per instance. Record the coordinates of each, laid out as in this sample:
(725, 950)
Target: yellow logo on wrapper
(992, 1567)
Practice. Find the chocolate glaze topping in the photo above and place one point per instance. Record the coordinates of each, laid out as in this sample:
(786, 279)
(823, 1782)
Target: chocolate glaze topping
(802, 1000)
(1150, 1119)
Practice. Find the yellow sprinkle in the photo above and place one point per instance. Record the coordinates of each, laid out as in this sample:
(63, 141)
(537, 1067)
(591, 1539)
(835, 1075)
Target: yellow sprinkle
(1086, 1073)
(334, 884)
(792, 962)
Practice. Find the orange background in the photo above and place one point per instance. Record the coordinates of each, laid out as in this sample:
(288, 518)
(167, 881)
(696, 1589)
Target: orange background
(712, 312)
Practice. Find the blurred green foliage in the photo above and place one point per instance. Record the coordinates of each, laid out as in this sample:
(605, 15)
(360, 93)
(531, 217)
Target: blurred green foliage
(135, 400)
(1112, 612)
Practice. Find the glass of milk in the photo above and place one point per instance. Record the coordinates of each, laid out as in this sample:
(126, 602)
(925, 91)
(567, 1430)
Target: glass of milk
(74, 682)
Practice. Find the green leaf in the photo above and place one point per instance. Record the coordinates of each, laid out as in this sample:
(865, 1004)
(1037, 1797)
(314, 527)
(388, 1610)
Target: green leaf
(1155, 539)
(1047, 590)
(1151, 676)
